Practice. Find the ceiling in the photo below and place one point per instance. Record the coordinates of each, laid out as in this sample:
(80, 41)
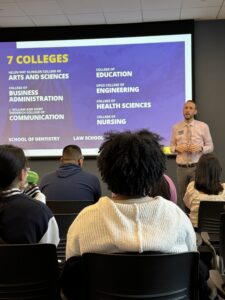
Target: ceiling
(29, 13)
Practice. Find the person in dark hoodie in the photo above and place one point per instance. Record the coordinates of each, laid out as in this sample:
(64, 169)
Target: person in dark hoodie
(69, 181)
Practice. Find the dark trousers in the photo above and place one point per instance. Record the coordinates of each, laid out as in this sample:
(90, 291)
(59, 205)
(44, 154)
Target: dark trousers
(184, 177)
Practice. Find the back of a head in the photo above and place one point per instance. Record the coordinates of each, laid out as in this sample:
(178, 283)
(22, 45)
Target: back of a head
(207, 174)
(161, 188)
(131, 162)
(72, 152)
(12, 161)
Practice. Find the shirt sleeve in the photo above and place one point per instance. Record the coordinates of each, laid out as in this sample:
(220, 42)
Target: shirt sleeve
(72, 242)
(173, 141)
(208, 143)
(51, 236)
(41, 197)
(189, 195)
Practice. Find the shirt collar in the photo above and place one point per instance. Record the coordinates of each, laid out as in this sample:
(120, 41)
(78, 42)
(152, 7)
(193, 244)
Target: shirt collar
(11, 192)
(135, 200)
(189, 123)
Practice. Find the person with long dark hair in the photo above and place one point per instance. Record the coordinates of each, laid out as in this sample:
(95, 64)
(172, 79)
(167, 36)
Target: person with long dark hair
(22, 219)
(207, 185)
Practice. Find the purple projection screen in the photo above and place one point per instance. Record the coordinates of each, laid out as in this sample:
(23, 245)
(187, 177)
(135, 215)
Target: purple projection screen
(55, 93)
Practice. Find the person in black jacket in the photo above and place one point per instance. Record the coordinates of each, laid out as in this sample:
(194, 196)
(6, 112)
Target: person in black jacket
(23, 220)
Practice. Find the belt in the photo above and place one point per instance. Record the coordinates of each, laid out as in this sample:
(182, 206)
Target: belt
(187, 165)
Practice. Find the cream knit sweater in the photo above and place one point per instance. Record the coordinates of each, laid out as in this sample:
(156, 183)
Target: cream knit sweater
(138, 225)
(193, 197)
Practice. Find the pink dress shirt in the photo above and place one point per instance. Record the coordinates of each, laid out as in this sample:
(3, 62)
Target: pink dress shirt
(200, 135)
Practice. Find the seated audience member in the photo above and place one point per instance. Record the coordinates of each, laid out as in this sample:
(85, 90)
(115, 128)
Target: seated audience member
(207, 185)
(69, 181)
(130, 164)
(22, 219)
(131, 221)
(165, 188)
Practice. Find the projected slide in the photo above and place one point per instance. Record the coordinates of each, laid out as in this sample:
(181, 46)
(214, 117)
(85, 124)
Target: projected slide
(55, 93)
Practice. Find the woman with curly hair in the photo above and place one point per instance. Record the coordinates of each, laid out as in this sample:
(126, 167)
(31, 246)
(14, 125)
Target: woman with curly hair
(131, 163)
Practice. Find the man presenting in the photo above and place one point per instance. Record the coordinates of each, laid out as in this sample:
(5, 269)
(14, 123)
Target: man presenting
(69, 181)
(190, 139)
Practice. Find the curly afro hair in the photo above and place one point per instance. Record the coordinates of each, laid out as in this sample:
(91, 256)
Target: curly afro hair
(131, 163)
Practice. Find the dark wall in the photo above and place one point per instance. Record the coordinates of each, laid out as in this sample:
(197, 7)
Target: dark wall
(209, 82)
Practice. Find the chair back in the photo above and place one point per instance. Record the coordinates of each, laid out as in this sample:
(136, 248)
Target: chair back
(28, 272)
(142, 276)
(64, 221)
(209, 218)
(222, 242)
(67, 206)
(65, 211)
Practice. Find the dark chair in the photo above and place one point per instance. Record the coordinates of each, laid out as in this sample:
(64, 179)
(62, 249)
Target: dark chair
(217, 274)
(67, 206)
(141, 276)
(209, 231)
(64, 221)
(209, 220)
(65, 211)
(28, 272)
(222, 243)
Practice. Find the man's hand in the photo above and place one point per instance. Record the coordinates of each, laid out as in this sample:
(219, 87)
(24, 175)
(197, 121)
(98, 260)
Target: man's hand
(194, 148)
(181, 148)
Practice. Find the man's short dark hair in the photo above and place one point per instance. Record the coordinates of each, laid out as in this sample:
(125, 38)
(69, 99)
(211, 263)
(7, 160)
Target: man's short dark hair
(131, 162)
(72, 152)
(192, 101)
